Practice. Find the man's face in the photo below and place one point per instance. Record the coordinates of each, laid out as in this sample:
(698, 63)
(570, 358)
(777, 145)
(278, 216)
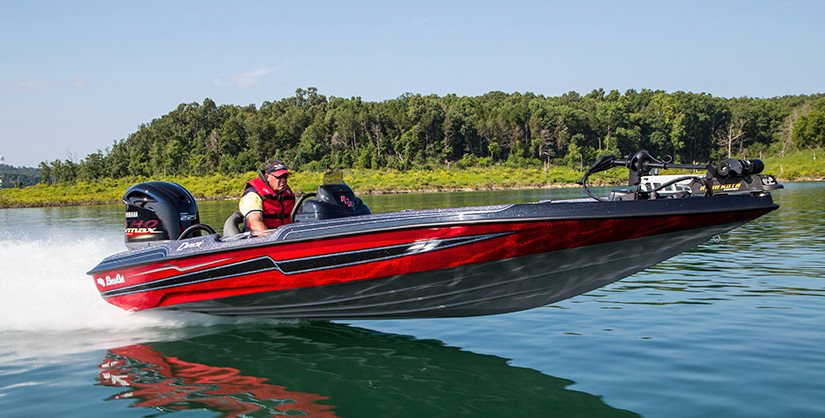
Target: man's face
(278, 184)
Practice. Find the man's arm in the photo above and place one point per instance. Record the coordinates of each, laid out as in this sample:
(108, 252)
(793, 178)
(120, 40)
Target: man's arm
(251, 206)
(255, 220)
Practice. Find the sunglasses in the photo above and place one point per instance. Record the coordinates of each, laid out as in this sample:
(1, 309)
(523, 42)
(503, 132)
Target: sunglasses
(282, 176)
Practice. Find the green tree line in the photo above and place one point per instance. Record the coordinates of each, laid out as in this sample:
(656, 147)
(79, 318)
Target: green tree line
(11, 176)
(313, 132)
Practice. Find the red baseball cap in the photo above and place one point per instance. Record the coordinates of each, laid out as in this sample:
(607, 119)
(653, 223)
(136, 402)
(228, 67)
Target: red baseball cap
(276, 168)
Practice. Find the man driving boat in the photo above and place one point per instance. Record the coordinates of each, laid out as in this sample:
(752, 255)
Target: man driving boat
(267, 200)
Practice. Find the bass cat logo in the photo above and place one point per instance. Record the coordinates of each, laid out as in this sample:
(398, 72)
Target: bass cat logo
(108, 280)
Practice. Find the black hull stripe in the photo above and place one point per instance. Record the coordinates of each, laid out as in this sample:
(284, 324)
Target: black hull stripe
(301, 265)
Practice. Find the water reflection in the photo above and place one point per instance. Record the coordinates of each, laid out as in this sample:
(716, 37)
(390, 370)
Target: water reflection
(167, 383)
(326, 369)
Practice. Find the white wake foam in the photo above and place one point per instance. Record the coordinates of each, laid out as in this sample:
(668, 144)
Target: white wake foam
(44, 287)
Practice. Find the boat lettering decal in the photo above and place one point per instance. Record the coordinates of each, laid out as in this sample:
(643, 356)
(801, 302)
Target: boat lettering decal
(131, 232)
(140, 227)
(727, 187)
(186, 245)
(294, 266)
(109, 280)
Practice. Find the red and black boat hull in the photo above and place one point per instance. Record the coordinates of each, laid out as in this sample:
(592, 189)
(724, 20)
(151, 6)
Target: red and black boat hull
(414, 264)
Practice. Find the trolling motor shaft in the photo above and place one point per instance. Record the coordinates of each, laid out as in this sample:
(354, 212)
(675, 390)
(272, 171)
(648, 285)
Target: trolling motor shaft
(641, 163)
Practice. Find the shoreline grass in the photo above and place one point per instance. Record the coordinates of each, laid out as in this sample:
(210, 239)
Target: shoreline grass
(796, 166)
(362, 181)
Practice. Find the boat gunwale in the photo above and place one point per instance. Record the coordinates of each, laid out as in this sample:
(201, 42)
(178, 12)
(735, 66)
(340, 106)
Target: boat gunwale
(670, 207)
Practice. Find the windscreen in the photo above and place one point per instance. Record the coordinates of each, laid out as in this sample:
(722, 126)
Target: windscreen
(334, 177)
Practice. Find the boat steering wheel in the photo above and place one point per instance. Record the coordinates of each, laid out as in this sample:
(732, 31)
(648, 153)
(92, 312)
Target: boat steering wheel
(298, 205)
(192, 229)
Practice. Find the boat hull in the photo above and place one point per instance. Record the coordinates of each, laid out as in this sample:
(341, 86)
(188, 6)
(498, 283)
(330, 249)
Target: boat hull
(490, 288)
(421, 264)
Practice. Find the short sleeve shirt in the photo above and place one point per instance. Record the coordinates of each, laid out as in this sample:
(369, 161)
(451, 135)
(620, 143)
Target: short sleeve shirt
(250, 202)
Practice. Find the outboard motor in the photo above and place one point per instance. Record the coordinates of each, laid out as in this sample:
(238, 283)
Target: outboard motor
(334, 199)
(158, 211)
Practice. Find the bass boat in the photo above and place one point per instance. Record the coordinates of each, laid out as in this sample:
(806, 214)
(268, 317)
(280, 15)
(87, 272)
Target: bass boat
(337, 260)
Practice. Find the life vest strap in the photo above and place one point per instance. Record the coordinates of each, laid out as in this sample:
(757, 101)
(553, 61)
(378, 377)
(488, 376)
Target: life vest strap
(279, 198)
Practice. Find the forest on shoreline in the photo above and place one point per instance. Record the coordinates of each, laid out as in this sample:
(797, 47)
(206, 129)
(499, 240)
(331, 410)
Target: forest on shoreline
(422, 143)
(18, 177)
(311, 132)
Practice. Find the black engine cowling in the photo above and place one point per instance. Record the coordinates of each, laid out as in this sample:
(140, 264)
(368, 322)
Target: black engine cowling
(334, 199)
(157, 211)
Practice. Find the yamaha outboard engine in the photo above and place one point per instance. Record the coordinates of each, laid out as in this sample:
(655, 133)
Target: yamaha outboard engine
(157, 211)
(334, 199)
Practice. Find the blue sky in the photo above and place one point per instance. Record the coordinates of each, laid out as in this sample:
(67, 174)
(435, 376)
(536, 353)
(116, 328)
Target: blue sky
(78, 75)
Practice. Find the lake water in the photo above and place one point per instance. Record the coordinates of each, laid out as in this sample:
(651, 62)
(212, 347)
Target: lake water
(735, 327)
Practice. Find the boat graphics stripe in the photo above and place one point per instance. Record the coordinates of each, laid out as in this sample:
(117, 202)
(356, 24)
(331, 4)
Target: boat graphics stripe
(181, 269)
(240, 268)
(296, 266)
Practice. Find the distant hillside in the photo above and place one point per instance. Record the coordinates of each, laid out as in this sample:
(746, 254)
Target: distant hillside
(11, 176)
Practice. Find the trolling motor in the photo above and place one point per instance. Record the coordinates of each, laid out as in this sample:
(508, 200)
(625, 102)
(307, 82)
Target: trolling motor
(729, 176)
